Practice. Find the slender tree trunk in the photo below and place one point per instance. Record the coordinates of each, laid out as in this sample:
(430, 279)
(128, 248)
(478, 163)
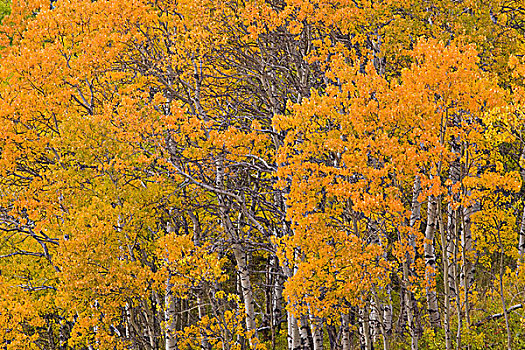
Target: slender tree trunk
(457, 283)
(388, 315)
(385, 310)
(150, 325)
(317, 331)
(379, 310)
(169, 317)
(410, 311)
(468, 267)
(169, 307)
(453, 229)
(246, 286)
(502, 293)
(521, 241)
(415, 209)
(452, 215)
(409, 302)
(375, 323)
(451, 250)
(401, 326)
(430, 263)
(294, 338)
(269, 314)
(240, 258)
(277, 295)
(303, 331)
(445, 280)
(364, 326)
(467, 276)
(128, 321)
(521, 235)
(345, 331)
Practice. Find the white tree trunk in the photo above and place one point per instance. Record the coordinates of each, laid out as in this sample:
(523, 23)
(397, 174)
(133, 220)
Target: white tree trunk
(430, 263)
(446, 284)
(345, 331)
(169, 317)
(303, 330)
(317, 331)
(452, 215)
(468, 273)
(294, 338)
(379, 309)
(521, 242)
(240, 258)
(388, 315)
(277, 295)
(415, 217)
(364, 326)
(247, 292)
(385, 310)
(521, 235)
(375, 322)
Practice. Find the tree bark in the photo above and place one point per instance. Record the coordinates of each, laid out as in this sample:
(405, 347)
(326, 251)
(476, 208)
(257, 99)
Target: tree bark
(375, 321)
(378, 308)
(411, 307)
(453, 222)
(521, 235)
(169, 307)
(521, 239)
(317, 331)
(364, 322)
(446, 284)
(430, 263)
(388, 315)
(277, 295)
(247, 292)
(502, 294)
(467, 276)
(169, 317)
(303, 331)
(240, 258)
(294, 339)
(345, 331)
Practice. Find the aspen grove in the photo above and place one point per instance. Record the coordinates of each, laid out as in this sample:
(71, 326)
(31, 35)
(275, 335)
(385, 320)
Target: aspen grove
(262, 174)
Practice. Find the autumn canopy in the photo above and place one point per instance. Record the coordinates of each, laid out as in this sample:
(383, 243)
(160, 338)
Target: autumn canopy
(262, 174)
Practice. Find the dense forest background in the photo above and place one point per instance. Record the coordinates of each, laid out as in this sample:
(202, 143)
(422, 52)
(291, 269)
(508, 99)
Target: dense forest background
(262, 174)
